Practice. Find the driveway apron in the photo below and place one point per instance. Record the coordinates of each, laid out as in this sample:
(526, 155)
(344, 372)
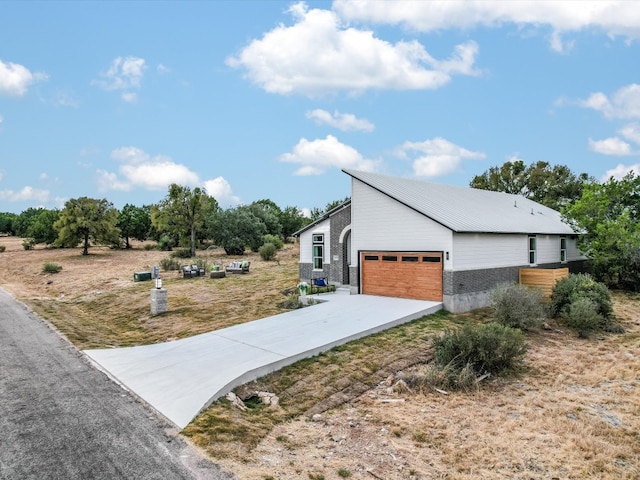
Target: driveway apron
(181, 378)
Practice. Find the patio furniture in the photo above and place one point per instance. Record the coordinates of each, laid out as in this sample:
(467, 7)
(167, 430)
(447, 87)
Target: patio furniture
(238, 267)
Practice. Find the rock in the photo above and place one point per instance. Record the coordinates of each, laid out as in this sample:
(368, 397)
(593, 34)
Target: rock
(235, 401)
(402, 387)
(317, 418)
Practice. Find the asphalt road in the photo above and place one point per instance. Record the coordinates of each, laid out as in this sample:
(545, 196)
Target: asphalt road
(60, 418)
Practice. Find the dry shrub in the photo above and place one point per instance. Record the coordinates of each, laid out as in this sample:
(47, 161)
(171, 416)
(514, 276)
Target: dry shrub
(517, 306)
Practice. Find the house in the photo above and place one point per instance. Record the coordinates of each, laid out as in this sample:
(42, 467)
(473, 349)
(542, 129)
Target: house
(412, 239)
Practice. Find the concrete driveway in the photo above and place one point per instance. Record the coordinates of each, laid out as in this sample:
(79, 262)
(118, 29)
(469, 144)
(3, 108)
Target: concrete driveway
(181, 378)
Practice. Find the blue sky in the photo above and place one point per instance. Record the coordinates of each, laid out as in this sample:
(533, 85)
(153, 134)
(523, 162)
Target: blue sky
(271, 99)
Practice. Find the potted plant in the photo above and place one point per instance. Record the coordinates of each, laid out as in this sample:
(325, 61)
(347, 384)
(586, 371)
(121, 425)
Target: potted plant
(303, 287)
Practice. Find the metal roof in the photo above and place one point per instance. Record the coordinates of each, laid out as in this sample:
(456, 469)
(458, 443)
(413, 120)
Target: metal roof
(465, 209)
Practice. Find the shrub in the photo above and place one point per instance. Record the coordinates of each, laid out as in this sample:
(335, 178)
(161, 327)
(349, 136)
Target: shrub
(169, 263)
(150, 246)
(582, 316)
(181, 253)
(488, 348)
(267, 251)
(449, 377)
(568, 289)
(51, 268)
(2, 248)
(166, 243)
(277, 241)
(28, 243)
(517, 306)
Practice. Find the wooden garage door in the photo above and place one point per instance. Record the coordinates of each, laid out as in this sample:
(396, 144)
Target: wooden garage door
(400, 274)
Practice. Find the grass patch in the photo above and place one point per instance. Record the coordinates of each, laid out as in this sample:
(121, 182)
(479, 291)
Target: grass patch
(315, 385)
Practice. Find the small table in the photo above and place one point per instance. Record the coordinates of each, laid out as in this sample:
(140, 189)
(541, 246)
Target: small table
(218, 274)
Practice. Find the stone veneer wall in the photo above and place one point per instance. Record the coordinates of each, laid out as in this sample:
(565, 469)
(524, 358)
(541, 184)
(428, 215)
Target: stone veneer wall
(338, 222)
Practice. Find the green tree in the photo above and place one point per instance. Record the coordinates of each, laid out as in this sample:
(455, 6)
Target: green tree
(7, 221)
(609, 216)
(317, 213)
(183, 212)
(41, 228)
(87, 219)
(236, 228)
(553, 186)
(292, 220)
(23, 222)
(269, 213)
(134, 222)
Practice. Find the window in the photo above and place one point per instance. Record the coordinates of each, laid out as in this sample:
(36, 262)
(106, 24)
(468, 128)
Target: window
(431, 259)
(318, 251)
(389, 258)
(371, 257)
(410, 259)
(532, 249)
(563, 249)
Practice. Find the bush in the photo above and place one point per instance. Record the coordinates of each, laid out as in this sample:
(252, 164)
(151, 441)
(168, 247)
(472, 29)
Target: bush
(51, 268)
(150, 246)
(582, 316)
(28, 243)
(267, 251)
(2, 248)
(447, 377)
(181, 253)
(166, 243)
(275, 240)
(580, 285)
(517, 306)
(488, 348)
(169, 263)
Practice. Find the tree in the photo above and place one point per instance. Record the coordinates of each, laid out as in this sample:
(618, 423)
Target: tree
(134, 222)
(292, 220)
(269, 213)
(23, 222)
(183, 213)
(236, 228)
(87, 219)
(609, 216)
(7, 221)
(41, 228)
(317, 213)
(552, 186)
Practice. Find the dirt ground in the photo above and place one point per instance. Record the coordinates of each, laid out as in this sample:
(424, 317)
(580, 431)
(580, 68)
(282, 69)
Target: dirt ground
(573, 412)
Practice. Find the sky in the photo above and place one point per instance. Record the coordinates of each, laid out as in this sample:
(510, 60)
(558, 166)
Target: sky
(271, 99)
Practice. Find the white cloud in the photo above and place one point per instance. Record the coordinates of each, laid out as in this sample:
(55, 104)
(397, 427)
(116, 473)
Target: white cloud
(1, 175)
(139, 169)
(319, 155)
(124, 74)
(562, 16)
(26, 194)
(610, 146)
(343, 121)
(631, 132)
(436, 157)
(162, 69)
(1, 120)
(220, 189)
(318, 55)
(15, 79)
(64, 99)
(129, 97)
(624, 103)
(620, 171)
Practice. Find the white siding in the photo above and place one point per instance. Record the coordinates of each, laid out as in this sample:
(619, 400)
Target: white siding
(548, 247)
(381, 223)
(572, 250)
(306, 242)
(473, 251)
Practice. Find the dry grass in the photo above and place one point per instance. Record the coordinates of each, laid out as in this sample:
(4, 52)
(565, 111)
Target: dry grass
(94, 301)
(571, 412)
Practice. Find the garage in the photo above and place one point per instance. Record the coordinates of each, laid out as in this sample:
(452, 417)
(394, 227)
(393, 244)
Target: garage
(415, 275)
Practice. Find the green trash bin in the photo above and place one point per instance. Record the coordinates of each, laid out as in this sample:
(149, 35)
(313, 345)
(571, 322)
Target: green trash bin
(141, 276)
